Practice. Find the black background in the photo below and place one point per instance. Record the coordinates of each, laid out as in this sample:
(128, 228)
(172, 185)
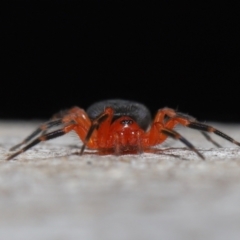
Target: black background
(57, 54)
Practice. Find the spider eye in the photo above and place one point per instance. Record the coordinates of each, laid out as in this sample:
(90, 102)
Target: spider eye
(126, 122)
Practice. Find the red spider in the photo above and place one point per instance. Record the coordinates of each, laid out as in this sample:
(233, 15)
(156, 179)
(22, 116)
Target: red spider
(118, 126)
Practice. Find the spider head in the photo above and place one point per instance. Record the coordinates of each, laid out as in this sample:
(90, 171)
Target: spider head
(126, 132)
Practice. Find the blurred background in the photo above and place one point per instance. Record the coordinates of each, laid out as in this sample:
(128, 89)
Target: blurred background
(57, 54)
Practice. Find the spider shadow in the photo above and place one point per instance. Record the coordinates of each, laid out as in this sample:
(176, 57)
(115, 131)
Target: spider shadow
(150, 150)
(163, 152)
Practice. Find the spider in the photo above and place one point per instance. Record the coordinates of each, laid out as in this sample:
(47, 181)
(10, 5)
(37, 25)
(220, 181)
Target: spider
(118, 126)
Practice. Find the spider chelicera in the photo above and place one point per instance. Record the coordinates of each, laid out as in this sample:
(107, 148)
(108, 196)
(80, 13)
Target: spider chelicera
(118, 126)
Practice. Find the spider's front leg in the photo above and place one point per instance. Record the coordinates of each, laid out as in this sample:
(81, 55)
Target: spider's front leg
(56, 120)
(158, 134)
(96, 135)
(165, 114)
(76, 119)
(40, 130)
(170, 119)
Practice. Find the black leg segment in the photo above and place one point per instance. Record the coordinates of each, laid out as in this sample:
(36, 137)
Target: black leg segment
(95, 124)
(206, 128)
(45, 137)
(40, 129)
(177, 136)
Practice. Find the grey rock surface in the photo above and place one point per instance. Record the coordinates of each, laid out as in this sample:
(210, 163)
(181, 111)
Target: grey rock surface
(50, 192)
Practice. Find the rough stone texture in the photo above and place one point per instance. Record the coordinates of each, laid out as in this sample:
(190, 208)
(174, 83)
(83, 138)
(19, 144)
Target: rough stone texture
(49, 192)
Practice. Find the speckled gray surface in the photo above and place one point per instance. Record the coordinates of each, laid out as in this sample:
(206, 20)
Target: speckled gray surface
(49, 192)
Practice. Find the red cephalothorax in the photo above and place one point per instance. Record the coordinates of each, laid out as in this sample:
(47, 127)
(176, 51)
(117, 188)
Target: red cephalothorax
(118, 126)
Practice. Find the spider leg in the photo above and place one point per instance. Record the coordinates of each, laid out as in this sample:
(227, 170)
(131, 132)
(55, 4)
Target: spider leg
(204, 127)
(65, 112)
(75, 119)
(42, 128)
(107, 114)
(63, 117)
(207, 136)
(45, 137)
(176, 135)
(175, 118)
(61, 114)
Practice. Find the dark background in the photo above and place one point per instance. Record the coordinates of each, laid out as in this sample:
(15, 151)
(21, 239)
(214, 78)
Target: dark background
(57, 54)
